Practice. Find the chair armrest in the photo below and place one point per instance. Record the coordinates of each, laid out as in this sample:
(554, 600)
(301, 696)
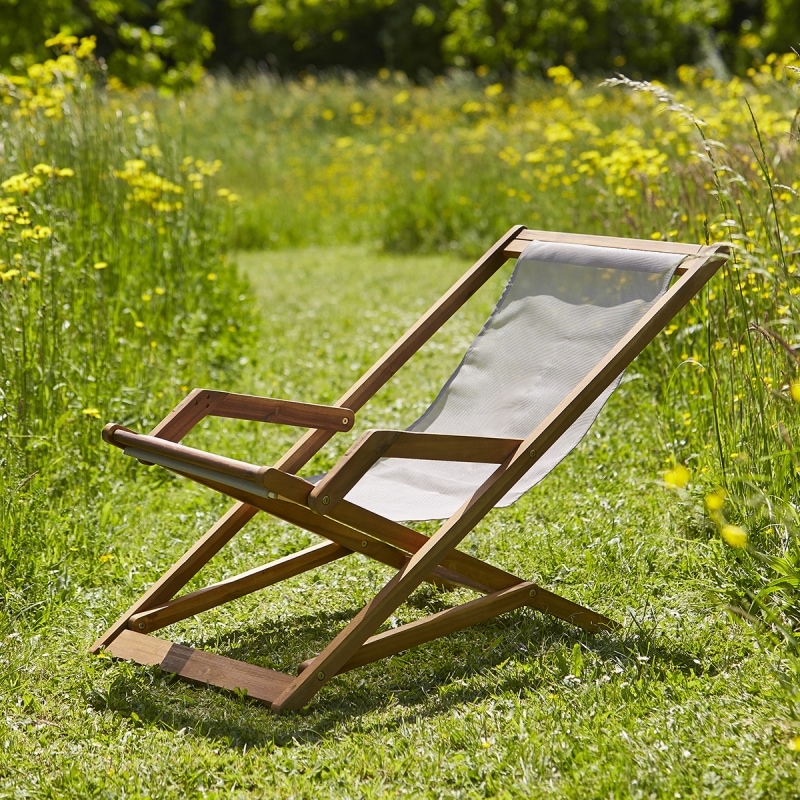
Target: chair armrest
(375, 444)
(201, 403)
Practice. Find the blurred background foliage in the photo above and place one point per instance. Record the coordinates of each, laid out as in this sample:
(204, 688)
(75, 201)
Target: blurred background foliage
(169, 42)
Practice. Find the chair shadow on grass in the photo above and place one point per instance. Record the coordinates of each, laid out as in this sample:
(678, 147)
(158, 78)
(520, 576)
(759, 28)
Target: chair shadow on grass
(516, 654)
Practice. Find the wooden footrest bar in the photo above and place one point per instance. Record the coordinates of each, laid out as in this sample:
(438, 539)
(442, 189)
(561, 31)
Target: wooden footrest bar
(200, 667)
(238, 586)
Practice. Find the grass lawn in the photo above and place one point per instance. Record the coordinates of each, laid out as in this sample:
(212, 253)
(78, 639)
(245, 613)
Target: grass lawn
(680, 703)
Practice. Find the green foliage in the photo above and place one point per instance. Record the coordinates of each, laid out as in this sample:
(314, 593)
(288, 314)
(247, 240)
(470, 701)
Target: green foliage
(143, 41)
(112, 271)
(303, 20)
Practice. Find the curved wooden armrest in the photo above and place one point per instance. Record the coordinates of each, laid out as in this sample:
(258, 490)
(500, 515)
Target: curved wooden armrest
(376, 444)
(201, 403)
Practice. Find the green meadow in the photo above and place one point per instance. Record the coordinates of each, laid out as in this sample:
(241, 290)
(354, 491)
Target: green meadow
(274, 237)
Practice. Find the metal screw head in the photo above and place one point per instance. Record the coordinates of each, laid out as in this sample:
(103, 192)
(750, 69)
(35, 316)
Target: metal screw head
(363, 542)
(532, 454)
(141, 626)
(326, 500)
(320, 676)
(345, 420)
(532, 593)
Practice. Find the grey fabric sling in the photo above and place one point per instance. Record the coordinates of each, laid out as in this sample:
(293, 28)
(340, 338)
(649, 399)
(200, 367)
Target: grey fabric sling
(564, 308)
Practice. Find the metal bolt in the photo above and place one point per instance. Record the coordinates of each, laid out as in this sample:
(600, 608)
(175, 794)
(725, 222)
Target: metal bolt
(363, 542)
(532, 454)
(532, 593)
(320, 676)
(326, 500)
(345, 420)
(142, 626)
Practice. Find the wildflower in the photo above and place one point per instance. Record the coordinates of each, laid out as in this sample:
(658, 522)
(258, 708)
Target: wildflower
(92, 412)
(65, 172)
(100, 264)
(159, 290)
(105, 558)
(212, 276)
(86, 47)
(494, 90)
(715, 500)
(146, 297)
(794, 390)
(62, 40)
(8, 275)
(794, 744)
(677, 477)
(734, 536)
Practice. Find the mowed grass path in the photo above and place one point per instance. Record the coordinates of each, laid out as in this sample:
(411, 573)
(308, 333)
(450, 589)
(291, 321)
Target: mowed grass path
(678, 704)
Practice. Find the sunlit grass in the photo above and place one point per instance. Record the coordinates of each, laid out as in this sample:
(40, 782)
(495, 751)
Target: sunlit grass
(678, 514)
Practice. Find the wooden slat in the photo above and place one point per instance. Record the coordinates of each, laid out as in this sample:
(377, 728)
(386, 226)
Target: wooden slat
(201, 403)
(352, 466)
(200, 667)
(482, 609)
(184, 569)
(440, 624)
(236, 586)
(284, 412)
(649, 245)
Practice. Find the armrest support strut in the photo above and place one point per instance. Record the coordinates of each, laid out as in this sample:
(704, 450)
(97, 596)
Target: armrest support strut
(202, 403)
(376, 444)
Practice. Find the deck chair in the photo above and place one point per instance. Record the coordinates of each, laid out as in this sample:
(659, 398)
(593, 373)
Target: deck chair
(576, 311)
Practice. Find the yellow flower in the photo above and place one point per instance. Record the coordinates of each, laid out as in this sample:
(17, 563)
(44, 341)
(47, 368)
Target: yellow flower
(212, 276)
(734, 536)
(100, 264)
(62, 40)
(92, 412)
(715, 500)
(677, 477)
(105, 558)
(86, 47)
(794, 389)
(8, 275)
(794, 744)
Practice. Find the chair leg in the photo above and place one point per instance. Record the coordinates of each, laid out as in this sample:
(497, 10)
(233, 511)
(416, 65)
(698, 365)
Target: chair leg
(184, 569)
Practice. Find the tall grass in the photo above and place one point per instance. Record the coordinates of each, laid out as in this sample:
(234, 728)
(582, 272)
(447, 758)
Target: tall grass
(451, 165)
(114, 291)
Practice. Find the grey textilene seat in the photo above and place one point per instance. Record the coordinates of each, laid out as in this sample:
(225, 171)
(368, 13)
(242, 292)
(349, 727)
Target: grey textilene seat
(564, 308)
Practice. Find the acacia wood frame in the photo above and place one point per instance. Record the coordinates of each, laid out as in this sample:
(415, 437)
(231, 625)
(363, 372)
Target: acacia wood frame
(348, 528)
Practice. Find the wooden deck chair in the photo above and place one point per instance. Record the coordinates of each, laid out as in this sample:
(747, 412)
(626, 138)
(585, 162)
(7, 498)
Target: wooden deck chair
(576, 311)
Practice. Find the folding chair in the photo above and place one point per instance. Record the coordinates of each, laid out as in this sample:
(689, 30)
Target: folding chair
(576, 311)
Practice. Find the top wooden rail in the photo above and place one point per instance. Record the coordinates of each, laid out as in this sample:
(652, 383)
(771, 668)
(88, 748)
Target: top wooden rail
(515, 247)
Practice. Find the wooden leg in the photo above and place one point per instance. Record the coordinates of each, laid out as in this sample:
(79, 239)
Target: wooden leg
(184, 569)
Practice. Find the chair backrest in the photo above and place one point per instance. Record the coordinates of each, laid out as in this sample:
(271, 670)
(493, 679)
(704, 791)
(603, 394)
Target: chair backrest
(564, 308)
